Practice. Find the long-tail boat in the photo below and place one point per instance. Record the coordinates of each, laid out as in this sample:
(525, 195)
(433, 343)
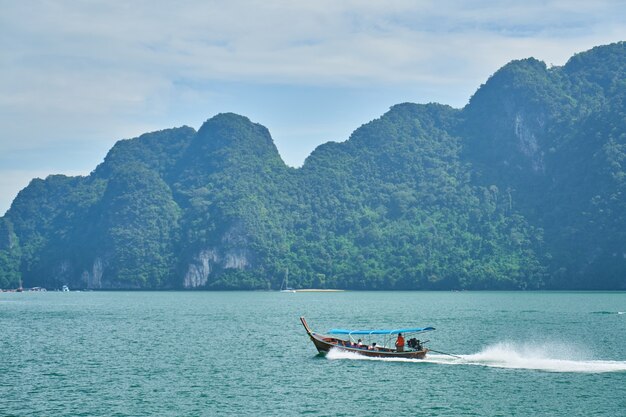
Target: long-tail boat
(331, 340)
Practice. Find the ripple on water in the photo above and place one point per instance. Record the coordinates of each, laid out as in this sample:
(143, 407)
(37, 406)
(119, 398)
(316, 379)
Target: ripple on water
(206, 354)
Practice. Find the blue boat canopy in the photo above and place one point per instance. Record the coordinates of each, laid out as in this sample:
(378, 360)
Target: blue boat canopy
(381, 331)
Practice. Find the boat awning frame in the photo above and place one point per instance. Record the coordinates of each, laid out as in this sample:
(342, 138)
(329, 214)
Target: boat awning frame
(381, 331)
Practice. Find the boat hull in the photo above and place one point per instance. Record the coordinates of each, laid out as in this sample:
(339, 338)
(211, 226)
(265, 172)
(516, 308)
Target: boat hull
(325, 344)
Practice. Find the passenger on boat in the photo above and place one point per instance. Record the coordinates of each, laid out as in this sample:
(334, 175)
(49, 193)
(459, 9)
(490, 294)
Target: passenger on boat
(359, 343)
(400, 343)
(373, 347)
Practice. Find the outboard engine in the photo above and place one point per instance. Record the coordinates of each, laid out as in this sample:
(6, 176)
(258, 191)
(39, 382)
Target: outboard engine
(414, 344)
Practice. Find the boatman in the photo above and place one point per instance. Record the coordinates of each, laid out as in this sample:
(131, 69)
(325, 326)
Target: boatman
(400, 343)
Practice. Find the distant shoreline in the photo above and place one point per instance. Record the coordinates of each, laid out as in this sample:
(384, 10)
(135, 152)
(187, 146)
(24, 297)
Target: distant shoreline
(560, 290)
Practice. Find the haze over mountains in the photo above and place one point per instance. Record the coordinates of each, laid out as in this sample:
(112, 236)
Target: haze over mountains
(521, 189)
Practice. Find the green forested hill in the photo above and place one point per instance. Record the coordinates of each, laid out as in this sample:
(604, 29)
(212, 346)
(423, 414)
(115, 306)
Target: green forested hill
(521, 189)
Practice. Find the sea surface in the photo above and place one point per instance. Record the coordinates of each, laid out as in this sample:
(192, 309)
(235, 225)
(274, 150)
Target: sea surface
(246, 353)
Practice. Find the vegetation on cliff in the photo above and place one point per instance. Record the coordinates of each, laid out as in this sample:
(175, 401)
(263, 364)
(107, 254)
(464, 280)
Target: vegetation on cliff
(521, 189)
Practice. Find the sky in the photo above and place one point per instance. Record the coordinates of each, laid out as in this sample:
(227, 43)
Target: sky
(76, 76)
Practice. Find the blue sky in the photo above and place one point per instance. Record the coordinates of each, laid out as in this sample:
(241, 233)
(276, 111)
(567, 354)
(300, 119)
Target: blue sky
(76, 76)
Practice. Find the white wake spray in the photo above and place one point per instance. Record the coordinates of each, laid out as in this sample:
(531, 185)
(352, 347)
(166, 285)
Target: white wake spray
(547, 357)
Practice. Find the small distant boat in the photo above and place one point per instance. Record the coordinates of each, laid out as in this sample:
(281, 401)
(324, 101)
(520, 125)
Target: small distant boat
(413, 349)
(65, 288)
(284, 287)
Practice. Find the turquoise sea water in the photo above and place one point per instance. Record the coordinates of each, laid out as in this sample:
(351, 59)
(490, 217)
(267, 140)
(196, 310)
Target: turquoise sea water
(245, 353)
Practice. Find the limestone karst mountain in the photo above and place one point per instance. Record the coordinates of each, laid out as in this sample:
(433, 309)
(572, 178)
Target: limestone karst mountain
(521, 189)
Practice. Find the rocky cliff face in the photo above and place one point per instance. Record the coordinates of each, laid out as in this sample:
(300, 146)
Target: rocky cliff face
(200, 268)
(93, 278)
(232, 253)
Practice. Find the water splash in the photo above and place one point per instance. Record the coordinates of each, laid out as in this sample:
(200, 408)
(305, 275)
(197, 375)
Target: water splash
(550, 357)
(547, 357)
